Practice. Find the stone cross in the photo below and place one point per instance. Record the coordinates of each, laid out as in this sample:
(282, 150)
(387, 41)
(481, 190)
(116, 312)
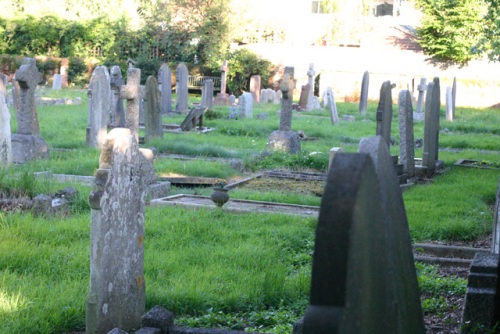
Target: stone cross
(181, 88)
(165, 81)
(153, 118)
(207, 95)
(363, 99)
(131, 93)
(384, 112)
(116, 81)
(5, 131)
(334, 116)
(28, 78)
(310, 81)
(255, 87)
(223, 78)
(421, 94)
(431, 130)
(99, 93)
(286, 88)
(406, 136)
(117, 296)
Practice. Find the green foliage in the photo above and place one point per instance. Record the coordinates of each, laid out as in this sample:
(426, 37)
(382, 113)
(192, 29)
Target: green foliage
(243, 64)
(451, 30)
(77, 72)
(296, 161)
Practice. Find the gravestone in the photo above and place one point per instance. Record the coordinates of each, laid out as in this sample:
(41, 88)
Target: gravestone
(255, 88)
(384, 112)
(406, 135)
(181, 88)
(5, 131)
(131, 92)
(277, 97)
(99, 93)
(117, 287)
(363, 275)
(142, 94)
(27, 143)
(57, 81)
(194, 116)
(431, 131)
(332, 106)
(454, 95)
(64, 72)
(495, 244)
(449, 104)
(304, 95)
(245, 105)
(270, 95)
(222, 98)
(333, 153)
(153, 118)
(310, 104)
(116, 82)
(363, 99)
(207, 94)
(165, 81)
(421, 88)
(233, 107)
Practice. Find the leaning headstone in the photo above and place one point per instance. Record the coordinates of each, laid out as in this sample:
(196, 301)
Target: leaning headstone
(153, 123)
(181, 88)
(449, 104)
(245, 105)
(304, 96)
(310, 105)
(131, 93)
(116, 82)
(363, 275)
(384, 112)
(5, 132)
(207, 95)
(222, 98)
(421, 88)
(332, 106)
(431, 131)
(255, 88)
(99, 93)
(165, 81)
(363, 99)
(57, 81)
(406, 136)
(117, 295)
(194, 116)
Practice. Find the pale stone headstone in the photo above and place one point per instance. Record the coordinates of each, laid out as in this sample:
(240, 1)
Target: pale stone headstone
(270, 95)
(57, 81)
(406, 135)
(117, 109)
(181, 88)
(131, 93)
(255, 87)
(310, 105)
(449, 104)
(431, 130)
(333, 153)
(117, 295)
(304, 96)
(165, 81)
(263, 96)
(245, 105)
(277, 97)
(384, 112)
(207, 94)
(363, 99)
(421, 88)
(153, 118)
(5, 132)
(99, 93)
(454, 95)
(363, 275)
(332, 106)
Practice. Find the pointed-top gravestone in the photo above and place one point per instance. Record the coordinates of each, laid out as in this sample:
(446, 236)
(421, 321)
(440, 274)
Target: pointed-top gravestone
(153, 123)
(310, 105)
(5, 132)
(99, 93)
(406, 136)
(117, 288)
(28, 78)
(181, 88)
(384, 112)
(363, 99)
(116, 81)
(332, 106)
(131, 93)
(165, 81)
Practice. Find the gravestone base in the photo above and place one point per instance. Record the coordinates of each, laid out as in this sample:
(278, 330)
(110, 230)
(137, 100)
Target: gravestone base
(222, 99)
(28, 147)
(424, 171)
(157, 190)
(284, 141)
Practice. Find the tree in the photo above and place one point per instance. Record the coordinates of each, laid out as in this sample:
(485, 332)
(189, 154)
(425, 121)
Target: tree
(490, 41)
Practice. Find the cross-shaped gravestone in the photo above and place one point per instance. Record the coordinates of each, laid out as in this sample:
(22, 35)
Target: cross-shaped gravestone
(224, 69)
(286, 88)
(28, 77)
(131, 93)
(310, 81)
(116, 84)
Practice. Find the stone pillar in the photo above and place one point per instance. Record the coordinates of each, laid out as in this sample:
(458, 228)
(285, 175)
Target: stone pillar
(131, 93)
(406, 136)
(165, 81)
(153, 121)
(99, 93)
(116, 81)
(181, 88)
(363, 99)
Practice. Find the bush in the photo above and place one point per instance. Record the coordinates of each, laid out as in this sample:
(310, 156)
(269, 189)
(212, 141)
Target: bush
(77, 72)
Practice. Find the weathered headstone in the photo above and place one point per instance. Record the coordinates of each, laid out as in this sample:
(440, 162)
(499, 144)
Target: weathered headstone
(99, 93)
(131, 92)
(116, 82)
(165, 81)
(310, 81)
(437, 106)
(222, 98)
(117, 287)
(245, 105)
(406, 136)
(153, 118)
(431, 130)
(384, 112)
(255, 88)
(5, 132)
(57, 81)
(207, 94)
(421, 88)
(363, 99)
(181, 88)
(449, 104)
(363, 275)
(304, 96)
(332, 106)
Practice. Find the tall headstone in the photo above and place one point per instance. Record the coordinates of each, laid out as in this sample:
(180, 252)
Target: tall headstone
(245, 105)
(310, 80)
(363, 99)
(181, 88)
(437, 111)
(421, 88)
(117, 288)
(207, 95)
(116, 81)
(131, 93)
(5, 131)
(449, 104)
(255, 87)
(406, 135)
(431, 130)
(57, 81)
(222, 98)
(99, 93)
(153, 118)
(363, 274)
(332, 106)
(165, 81)
(384, 112)
(454, 95)
(64, 72)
